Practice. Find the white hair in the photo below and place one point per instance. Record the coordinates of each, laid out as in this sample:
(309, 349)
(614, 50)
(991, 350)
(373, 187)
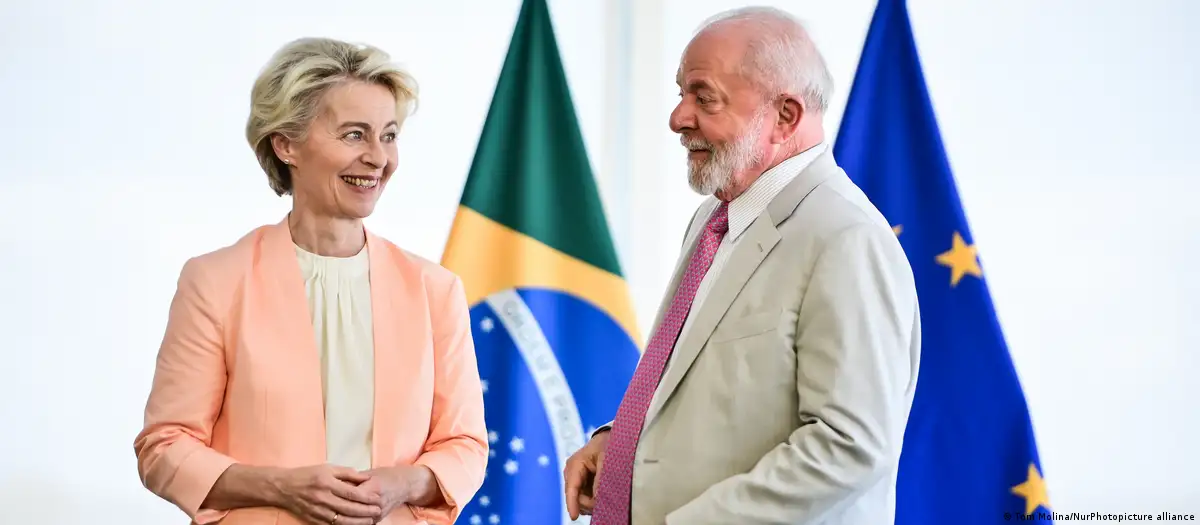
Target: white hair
(782, 57)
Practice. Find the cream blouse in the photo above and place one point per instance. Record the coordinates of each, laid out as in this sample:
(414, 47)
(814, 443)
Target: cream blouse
(339, 300)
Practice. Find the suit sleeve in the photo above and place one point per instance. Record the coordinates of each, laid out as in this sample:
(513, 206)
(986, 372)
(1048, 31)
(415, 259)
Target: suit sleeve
(457, 448)
(853, 367)
(173, 454)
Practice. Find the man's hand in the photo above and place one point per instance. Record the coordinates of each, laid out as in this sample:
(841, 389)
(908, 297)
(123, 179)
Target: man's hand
(581, 473)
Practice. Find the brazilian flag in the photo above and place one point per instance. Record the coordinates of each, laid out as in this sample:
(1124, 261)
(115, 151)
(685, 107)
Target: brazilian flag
(552, 318)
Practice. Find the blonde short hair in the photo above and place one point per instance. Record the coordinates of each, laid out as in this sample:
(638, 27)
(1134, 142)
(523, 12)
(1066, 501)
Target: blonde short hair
(287, 95)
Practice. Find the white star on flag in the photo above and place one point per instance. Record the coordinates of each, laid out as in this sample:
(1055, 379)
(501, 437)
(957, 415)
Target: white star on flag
(487, 324)
(517, 444)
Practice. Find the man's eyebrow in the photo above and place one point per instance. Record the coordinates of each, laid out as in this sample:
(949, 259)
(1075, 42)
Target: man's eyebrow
(695, 85)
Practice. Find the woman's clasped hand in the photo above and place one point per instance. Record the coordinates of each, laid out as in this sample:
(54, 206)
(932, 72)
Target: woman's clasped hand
(325, 494)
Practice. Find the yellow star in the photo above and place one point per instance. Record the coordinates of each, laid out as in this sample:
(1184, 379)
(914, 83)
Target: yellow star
(897, 229)
(961, 259)
(1033, 490)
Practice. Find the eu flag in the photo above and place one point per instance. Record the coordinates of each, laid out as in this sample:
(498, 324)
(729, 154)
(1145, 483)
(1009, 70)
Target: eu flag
(549, 305)
(969, 451)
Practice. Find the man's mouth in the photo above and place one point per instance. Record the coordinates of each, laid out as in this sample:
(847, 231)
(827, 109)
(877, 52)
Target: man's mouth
(362, 182)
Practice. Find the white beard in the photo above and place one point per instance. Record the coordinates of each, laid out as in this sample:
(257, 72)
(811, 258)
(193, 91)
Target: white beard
(715, 173)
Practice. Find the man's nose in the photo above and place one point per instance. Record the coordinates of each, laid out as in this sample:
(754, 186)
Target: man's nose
(682, 118)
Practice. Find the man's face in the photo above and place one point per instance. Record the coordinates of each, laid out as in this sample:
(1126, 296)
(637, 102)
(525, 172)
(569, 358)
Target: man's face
(720, 117)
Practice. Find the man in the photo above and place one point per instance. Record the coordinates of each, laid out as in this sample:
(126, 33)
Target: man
(780, 372)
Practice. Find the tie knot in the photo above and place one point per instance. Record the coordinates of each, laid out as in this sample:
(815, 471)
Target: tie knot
(718, 222)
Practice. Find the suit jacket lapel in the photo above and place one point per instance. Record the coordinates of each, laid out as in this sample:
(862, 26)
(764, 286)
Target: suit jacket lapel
(751, 249)
(286, 327)
(689, 242)
(754, 246)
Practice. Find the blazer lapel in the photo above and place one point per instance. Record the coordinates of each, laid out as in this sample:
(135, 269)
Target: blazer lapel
(401, 337)
(754, 246)
(287, 324)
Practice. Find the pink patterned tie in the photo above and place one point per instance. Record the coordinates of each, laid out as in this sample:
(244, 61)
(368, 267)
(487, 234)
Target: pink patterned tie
(614, 487)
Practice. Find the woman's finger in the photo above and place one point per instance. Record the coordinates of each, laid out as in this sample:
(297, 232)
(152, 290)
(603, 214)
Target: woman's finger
(317, 514)
(342, 520)
(348, 509)
(354, 509)
(358, 494)
(349, 474)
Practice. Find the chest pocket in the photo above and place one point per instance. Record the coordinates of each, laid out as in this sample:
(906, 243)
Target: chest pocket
(746, 326)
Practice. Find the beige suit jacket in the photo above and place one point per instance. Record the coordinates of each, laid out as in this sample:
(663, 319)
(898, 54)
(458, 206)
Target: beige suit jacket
(786, 403)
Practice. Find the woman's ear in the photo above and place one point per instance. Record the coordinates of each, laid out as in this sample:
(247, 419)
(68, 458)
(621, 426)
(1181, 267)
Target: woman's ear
(284, 149)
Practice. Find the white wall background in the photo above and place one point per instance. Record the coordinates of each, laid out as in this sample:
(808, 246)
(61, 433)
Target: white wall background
(1070, 126)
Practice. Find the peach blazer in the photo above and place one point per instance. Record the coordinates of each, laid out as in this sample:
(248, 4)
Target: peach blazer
(237, 378)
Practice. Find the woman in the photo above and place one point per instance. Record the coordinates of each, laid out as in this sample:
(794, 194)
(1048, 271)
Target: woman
(313, 372)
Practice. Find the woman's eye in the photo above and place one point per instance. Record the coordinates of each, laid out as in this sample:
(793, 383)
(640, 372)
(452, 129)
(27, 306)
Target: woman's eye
(354, 135)
(389, 137)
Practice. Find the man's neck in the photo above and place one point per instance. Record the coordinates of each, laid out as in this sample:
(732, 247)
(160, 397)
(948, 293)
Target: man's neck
(742, 183)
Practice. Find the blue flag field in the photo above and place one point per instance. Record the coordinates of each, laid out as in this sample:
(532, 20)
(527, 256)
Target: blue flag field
(969, 454)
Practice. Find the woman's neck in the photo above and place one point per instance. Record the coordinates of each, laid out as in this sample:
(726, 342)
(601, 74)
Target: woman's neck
(327, 236)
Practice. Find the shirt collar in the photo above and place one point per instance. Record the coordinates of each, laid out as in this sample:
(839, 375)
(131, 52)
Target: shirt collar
(751, 203)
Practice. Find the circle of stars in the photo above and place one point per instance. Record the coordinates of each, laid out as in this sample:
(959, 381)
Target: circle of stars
(516, 445)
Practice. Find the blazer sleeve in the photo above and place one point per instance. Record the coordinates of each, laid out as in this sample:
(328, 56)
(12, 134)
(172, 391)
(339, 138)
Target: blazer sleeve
(853, 366)
(457, 448)
(173, 454)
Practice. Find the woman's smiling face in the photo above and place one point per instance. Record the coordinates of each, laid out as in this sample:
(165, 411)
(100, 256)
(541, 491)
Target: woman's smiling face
(348, 155)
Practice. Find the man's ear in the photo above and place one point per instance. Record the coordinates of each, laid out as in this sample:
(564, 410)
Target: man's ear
(284, 148)
(791, 110)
